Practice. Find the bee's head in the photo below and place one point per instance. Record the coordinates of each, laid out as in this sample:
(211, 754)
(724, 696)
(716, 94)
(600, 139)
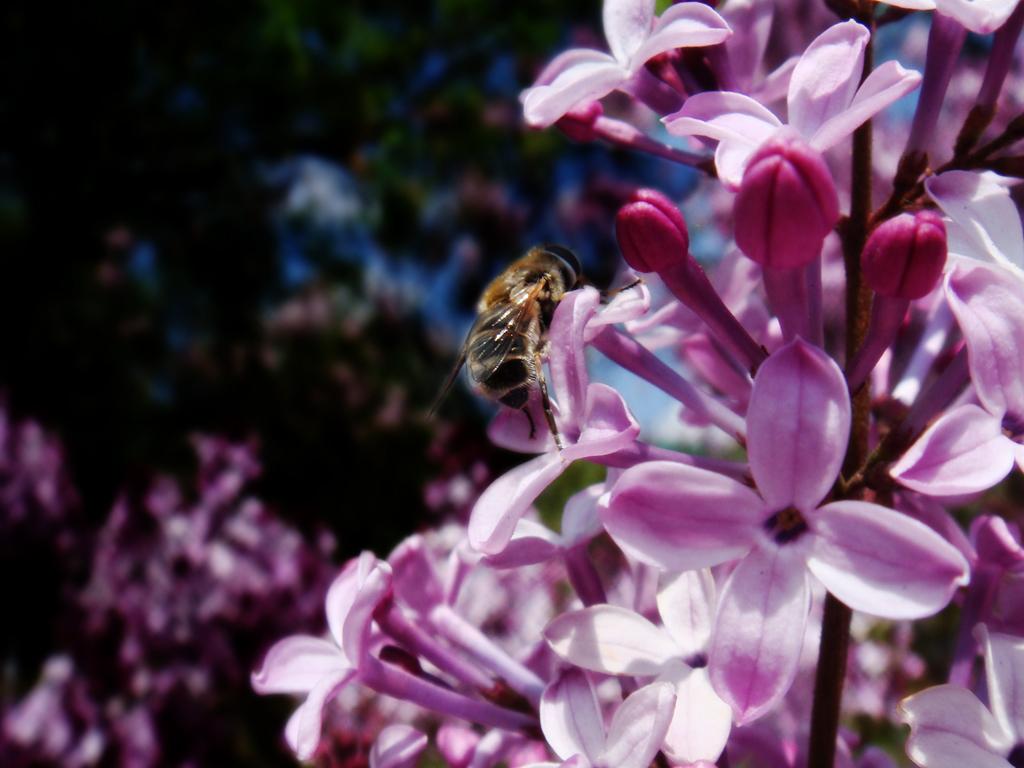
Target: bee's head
(568, 261)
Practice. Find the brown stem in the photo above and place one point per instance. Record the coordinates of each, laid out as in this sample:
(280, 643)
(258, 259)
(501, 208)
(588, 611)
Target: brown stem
(828, 683)
(908, 188)
(835, 629)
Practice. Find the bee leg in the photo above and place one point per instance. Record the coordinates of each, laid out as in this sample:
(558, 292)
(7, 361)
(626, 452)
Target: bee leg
(545, 400)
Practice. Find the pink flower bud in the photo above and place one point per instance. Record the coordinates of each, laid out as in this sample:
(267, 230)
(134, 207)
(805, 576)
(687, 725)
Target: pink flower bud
(578, 123)
(652, 236)
(652, 232)
(786, 205)
(904, 256)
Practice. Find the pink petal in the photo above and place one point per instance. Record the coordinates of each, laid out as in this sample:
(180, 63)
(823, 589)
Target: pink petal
(827, 76)
(495, 514)
(296, 664)
(677, 517)
(985, 223)
(397, 746)
(580, 519)
(989, 306)
(979, 16)
(510, 429)
(302, 731)
(686, 604)
(415, 575)
(544, 105)
(886, 84)
(684, 25)
(566, 360)
(610, 639)
(798, 422)
(705, 356)
(997, 543)
(701, 721)
(760, 630)
(1004, 671)
(639, 726)
(607, 425)
(531, 543)
(776, 83)
(964, 452)
(751, 24)
(883, 563)
(567, 60)
(351, 601)
(627, 23)
(937, 517)
(628, 305)
(570, 716)
(950, 728)
(738, 122)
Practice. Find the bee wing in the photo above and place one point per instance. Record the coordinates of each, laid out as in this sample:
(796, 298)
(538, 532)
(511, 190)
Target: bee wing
(509, 321)
(510, 324)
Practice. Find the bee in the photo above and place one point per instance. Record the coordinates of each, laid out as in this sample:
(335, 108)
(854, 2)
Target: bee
(504, 348)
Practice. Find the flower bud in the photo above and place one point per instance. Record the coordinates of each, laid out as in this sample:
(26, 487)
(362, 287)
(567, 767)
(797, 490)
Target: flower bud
(578, 122)
(786, 205)
(652, 236)
(652, 232)
(904, 256)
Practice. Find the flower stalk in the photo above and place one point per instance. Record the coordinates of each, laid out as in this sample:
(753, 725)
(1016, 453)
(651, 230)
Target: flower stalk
(835, 629)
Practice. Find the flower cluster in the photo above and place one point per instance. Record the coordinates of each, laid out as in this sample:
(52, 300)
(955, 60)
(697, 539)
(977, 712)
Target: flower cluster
(183, 589)
(853, 370)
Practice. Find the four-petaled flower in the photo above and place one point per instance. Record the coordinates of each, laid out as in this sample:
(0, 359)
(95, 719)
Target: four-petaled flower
(950, 728)
(825, 104)
(635, 36)
(571, 718)
(616, 641)
(970, 448)
(319, 668)
(870, 557)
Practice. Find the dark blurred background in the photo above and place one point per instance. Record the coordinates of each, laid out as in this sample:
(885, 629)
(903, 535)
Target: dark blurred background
(266, 223)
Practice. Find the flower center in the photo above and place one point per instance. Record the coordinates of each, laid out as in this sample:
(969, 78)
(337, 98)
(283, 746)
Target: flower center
(786, 525)
(1016, 757)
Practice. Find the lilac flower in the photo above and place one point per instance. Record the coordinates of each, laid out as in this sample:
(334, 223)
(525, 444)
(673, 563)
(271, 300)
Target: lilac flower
(318, 668)
(950, 727)
(999, 561)
(615, 641)
(572, 722)
(971, 448)
(826, 102)
(592, 418)
(58, 723)
(634, 36)
(870, 557)
(983, 222)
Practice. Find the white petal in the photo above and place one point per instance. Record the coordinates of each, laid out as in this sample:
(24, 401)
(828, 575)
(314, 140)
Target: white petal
(570, 716)
(610, 639)
(686, 603)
